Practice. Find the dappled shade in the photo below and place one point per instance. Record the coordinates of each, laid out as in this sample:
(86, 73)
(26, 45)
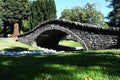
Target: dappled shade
(36, 67)
(16, 49)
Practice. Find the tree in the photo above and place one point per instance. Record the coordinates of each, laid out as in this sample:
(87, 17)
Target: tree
(87, 14)
(36, 12)
(114, 15)
(94, 16)
(1, 22)
(14, 11)
(50, 10)
(42, 10)
(74, 14)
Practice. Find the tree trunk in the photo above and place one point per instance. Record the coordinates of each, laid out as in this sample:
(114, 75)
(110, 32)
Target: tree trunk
(16, 30)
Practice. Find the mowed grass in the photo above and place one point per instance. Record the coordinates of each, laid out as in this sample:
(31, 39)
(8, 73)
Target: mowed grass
(79, 65)
(13, 45)
(70, 43)
(67, 66)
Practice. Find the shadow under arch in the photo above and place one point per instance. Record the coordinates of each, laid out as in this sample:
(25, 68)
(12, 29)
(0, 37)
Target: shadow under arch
(51, 35)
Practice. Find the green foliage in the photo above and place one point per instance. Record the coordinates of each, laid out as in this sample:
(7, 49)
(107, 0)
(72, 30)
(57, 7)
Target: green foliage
(87, 14)
(27, 14)
(42, 10)
(14, 11)
(36, 14)
(26, 25)
(1, 25)
(1, 22)
(114, 15)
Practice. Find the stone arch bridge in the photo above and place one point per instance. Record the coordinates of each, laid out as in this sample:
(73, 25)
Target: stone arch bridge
(49, 33)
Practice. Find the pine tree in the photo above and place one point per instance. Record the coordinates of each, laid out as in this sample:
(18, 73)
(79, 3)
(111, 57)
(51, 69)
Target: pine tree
(1, 22)
(42, 10)
(114, 15)
(52, 9)
(36, 13)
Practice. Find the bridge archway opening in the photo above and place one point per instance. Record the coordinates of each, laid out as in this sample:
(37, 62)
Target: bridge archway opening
(70, 43)
(51, 39)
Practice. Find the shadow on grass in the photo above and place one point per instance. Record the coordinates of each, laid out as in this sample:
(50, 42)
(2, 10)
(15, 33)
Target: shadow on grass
(16, 49)
(30, 66)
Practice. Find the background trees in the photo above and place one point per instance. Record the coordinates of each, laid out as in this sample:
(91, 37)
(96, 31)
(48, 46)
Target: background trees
(42, 10)
(1, 22)
(114, 15)
(29, 14)
(25, 14)
(13, 12)
(87, 14)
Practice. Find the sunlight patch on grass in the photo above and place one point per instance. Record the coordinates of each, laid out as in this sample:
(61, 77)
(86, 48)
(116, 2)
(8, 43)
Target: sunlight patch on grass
(70, 43)
(75, 73)
(63, 67)
(107, 51)
(80, 73)
(8, 44)
(5, 63)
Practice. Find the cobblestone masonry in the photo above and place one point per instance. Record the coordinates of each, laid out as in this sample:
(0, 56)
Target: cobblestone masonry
(49, 33)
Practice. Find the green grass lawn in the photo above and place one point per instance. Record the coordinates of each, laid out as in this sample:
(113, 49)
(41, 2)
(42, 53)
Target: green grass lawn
(69, 43)
(67, 66)
(17, 46)
(13, 45)
(79, 65)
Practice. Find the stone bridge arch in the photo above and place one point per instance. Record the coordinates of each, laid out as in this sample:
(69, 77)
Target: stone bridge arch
(49, 33)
